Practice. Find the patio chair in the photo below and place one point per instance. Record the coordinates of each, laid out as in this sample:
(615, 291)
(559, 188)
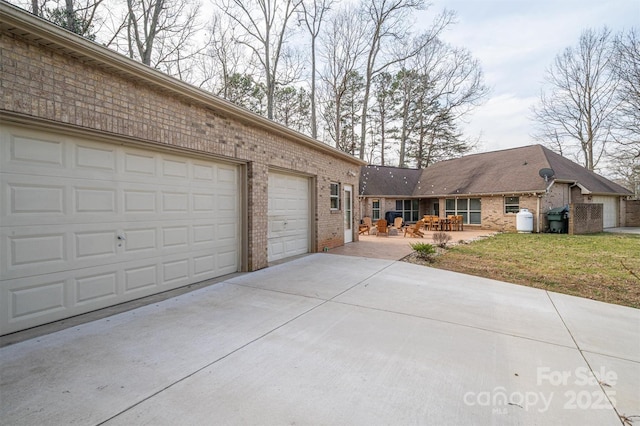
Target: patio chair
(382, 228)
(415, 230)
(459, 223)
(397, 223)
(429, 222)
(365, 226)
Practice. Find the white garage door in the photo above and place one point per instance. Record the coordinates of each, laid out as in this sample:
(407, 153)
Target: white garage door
(85, 225)
(609, 210)
(288, 233)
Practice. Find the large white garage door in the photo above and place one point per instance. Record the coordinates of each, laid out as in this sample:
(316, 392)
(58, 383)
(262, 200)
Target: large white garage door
(609, 210)
(288, 233)
(85, 225)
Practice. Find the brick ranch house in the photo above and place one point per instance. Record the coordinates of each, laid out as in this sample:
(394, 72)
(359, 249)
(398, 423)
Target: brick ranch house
(119, 182)
(489, 189)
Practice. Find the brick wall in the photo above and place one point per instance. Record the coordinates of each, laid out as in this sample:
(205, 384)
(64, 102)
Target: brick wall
(632, 213)
(585, 218)
(494, 217)
(42, 83)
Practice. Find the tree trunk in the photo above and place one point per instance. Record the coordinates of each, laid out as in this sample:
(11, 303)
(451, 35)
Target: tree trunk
(70, 15)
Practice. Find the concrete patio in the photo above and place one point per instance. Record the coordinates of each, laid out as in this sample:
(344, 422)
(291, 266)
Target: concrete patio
(395, 247)
(331, 339)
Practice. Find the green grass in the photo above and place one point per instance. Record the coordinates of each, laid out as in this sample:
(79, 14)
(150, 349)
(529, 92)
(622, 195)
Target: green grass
(603, 267)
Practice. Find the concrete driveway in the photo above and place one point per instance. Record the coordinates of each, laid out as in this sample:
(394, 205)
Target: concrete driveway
(331, 339)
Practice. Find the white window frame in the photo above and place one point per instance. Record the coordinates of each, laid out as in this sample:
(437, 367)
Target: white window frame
(334, 199)
(466, 214)
(508, 206)
(375, 211)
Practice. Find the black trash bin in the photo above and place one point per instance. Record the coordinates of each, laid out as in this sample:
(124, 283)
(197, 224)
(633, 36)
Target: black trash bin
(558, 220)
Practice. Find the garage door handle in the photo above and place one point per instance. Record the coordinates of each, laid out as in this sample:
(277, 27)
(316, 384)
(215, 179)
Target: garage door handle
(122, 237)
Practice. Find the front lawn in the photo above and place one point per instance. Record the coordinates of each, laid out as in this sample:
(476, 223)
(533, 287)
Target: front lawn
(603, 267)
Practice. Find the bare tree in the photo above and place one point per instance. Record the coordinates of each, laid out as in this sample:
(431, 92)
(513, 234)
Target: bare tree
(223, 59)
(626, 66)
(313, 16)
(452, 85)
(35, 7)
(579, 111)
(264, 27)
(159, 33)
(342, 47)
(387, 30)
(77, 16)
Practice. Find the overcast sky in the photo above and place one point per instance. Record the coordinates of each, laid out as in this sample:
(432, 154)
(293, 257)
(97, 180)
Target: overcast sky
(516, 41)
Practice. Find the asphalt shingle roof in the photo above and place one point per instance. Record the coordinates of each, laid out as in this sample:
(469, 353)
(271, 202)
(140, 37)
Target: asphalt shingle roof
(507, 171)
(393, 181)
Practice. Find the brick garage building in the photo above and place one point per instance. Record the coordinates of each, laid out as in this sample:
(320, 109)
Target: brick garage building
(119, 182)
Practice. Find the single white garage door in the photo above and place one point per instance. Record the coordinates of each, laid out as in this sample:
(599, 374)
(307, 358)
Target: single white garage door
(609, 210)
(288, 215)
(85, 225)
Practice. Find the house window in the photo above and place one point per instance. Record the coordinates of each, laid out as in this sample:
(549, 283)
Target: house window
(375, 209)
(335, 196)
(409, 210)
(511, 204)
(469, 208)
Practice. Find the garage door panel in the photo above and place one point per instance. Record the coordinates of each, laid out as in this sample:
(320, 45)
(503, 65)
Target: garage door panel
(31, 301)
(175, 270)
(227, 259)
(26, 250)
(94, 200)
(175, 169)
(35, 198)
(139, 201)
(95, 244)
(203, 172)
(140, 239)
(95, 159)
(32, 150)
(139, 163)
(139, 277)
(66, 201)
(96, 288)
(175, 202)
(203, 234)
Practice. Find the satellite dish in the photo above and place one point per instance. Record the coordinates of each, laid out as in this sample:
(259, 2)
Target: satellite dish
(546, 174)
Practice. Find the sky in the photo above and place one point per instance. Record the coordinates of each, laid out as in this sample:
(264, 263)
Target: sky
(515, 42)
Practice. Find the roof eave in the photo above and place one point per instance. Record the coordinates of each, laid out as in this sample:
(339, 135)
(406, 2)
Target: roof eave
(483, 194)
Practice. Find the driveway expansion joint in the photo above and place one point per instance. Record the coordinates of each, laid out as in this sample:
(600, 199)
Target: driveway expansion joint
(502, 333)
(584, 358)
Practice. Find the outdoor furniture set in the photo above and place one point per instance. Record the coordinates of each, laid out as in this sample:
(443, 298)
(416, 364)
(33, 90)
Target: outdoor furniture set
(428, 223)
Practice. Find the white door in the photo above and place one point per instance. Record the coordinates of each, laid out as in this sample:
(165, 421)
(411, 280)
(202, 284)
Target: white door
(609, 210)
(288, 215)
(85, 224)
(348, 214)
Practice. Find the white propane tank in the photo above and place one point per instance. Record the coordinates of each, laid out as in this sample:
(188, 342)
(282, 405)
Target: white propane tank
(524, 221)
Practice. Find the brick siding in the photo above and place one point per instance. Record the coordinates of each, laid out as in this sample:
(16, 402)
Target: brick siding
(632, 213)
(43, 83)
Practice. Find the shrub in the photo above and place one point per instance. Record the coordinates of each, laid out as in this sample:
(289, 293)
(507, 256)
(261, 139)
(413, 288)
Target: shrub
(425, 251)
(441, 238)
